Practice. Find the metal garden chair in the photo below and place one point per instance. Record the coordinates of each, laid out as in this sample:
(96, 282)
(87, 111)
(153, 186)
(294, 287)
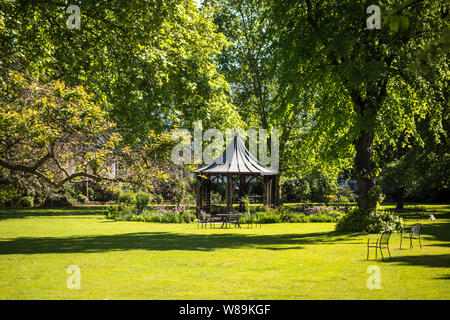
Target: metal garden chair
(253, 219)
(382, 243)
(413, 234)
(203, 218)
(232, 217)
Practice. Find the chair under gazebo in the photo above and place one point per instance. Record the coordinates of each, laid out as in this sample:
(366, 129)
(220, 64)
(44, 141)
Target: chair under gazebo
(236, 164)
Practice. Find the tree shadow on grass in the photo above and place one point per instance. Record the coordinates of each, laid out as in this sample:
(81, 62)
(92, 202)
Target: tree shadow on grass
(426, 260)
(438, 231)
(431, 231)
(20, 213)
(162, 241)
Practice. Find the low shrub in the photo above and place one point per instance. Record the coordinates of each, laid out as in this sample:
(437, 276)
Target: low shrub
(82, 198)
(262, 217)
(188, 217)
(292, 215)
(295, 218)
(127, 197)
(71, 194)
(347, 193)
(112, 212)
(142, 201)
(103, 195)
(9, 197)
(324, 214)
(314, 217)
(369, 221)
(321, 217)
(157, 198)
(57, 200)
(126, 212)
(269, 217)
(27, 201)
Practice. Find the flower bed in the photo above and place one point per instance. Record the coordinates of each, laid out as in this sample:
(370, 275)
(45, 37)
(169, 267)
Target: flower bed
(176, 214)
(286, 214)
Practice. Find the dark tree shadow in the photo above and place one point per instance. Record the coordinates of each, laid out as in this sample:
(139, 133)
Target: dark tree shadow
(162, 241)
(438, 231)
(20, 213)
(425, 260)
(412, 215)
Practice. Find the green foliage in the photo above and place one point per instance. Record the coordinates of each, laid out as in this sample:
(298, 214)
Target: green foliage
(71, 194)
(345, 195)
(295, 191)
(139, 64)
(216, 198)
(369, 221)
(313, 214)
(321, 218)
(47, 130)
(82, 198)
(246, 203)
(27, 201)
(268, 217)
(158, 56)
(322, 186)
(157, 198)
(142, 201)
(354, 83)
(112, 212)
(296, 218)
(247, 61)
(9, 197)
(127, 198)
(103, 195)
(57, 200)
(181, 191)
(300, 214)
(376, 194)
(126, 212)
(315, 187)
(418, 173)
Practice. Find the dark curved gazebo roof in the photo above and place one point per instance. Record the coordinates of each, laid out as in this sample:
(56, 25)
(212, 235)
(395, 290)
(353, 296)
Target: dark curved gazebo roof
(236, 159)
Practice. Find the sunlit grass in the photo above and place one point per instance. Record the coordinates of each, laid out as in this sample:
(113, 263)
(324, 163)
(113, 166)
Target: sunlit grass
(137, 260)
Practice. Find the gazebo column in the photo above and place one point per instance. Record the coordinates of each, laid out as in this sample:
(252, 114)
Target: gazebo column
(208, 194)
(202, 197)
(242, 192)
(229, 192)
(264, 191)
(198, 198)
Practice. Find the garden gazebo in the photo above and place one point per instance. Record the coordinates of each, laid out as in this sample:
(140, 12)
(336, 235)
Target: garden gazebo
(236, 164)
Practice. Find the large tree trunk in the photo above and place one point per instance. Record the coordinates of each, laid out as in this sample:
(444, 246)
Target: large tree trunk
(400, 197)
(364, 169)
(277, 187)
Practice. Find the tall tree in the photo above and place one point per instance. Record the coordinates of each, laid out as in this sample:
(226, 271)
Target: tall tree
(365, 92)
(149, 63)
(418, 171)
(250, 66)
(145, 67)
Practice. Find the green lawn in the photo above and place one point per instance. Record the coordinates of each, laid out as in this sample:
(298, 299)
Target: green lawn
(137, 260)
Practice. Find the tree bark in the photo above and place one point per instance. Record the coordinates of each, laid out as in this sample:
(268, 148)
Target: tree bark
(364, 169)
(277, 191)
(400, 198)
